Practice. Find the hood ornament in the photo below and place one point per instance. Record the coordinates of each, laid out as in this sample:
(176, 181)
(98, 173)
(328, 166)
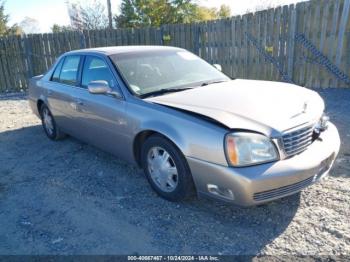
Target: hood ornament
(305, 107)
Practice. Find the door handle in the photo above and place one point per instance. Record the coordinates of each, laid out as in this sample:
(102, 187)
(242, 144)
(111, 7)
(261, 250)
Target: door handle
(79, 102)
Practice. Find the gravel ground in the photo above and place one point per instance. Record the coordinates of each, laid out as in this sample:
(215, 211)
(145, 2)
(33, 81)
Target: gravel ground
(67, 197)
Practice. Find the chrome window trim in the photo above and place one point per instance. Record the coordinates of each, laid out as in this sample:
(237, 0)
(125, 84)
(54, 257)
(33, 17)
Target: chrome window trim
(80, 74)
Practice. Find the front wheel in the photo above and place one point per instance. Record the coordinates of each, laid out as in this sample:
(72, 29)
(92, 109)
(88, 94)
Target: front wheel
(166, 169)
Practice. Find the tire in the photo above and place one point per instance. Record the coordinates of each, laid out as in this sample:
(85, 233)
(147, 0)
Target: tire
(170, 177)
(49, 124)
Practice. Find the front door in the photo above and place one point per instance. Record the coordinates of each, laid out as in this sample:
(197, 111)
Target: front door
(102, 119)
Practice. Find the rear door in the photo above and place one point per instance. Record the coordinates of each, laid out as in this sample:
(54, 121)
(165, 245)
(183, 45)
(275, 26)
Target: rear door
(59, 91)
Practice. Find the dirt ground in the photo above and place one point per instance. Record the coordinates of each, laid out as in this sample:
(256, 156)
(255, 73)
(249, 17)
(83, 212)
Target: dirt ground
(67, 197)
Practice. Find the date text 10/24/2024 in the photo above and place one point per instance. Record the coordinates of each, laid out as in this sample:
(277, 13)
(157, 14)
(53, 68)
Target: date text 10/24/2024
(173, 258)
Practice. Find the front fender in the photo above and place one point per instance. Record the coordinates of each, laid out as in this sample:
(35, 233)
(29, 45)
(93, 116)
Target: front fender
(168, 131)
(195, 137)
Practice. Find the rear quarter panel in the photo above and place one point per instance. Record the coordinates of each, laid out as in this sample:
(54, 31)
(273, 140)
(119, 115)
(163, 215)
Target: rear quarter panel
(36, 91)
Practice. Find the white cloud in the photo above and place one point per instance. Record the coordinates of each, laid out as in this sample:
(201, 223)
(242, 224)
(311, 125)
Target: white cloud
(46, 15)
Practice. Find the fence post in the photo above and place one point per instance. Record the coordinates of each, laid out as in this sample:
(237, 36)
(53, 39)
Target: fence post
(82, 39)
(196, 39)
(28, 56)
(161, 32)
(291, 42)
(341, 34)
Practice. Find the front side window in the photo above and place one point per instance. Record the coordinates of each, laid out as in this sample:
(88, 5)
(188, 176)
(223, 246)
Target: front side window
(96, 69)
(70, 69)
(150, 71)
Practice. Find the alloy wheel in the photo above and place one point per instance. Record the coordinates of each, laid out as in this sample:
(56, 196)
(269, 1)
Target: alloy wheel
(48, 121)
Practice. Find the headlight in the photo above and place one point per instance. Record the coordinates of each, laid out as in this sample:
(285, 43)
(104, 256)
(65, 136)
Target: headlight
(244, 149)
(322, 124)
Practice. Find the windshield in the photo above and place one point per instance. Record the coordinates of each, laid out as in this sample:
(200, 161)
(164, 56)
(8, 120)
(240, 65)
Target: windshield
(156, 70)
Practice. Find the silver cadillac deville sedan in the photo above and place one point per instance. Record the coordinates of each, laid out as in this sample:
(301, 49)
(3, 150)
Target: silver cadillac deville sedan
(190, 127)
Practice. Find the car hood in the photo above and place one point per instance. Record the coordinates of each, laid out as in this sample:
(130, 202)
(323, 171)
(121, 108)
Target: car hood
(262, 106)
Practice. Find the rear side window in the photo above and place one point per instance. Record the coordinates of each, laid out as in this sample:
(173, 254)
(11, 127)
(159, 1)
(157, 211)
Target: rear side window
(70, 69)
(56, 74)
(96, 69)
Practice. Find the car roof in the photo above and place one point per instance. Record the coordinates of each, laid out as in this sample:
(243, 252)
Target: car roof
(112, 50)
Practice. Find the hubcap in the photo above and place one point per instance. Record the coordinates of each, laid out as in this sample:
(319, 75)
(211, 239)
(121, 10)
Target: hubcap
(162, 169)
(48, 123)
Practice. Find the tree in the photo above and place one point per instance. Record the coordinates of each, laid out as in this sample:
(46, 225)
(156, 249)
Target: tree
(30, 25)
(224, 12)
(5, 29)
(15, 30)
(205, 13)
(3, 20)
(139, 13)
(185, 11)
(88, 16)
(128, 16)
(60, 28)
(109, 9)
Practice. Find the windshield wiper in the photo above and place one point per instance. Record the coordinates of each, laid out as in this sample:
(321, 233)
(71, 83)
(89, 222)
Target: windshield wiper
(212, 82)
(164, 91)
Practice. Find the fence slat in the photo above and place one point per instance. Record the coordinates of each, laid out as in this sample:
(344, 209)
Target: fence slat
(315, 39)
(341, 35)
(292, 28)
(3, 84)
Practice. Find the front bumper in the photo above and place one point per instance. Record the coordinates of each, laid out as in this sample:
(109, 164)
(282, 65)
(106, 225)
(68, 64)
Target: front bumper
(263, 183)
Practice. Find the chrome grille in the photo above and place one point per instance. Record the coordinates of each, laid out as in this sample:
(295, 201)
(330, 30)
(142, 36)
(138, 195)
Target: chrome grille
(297, 141)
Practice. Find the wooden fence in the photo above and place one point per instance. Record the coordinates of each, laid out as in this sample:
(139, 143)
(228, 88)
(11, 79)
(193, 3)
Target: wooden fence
(308, 44)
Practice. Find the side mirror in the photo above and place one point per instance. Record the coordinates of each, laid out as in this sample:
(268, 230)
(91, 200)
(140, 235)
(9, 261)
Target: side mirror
(101, 87)
(218, 67)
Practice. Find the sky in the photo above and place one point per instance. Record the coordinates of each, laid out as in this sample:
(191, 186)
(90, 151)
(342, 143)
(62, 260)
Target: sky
(49, 12)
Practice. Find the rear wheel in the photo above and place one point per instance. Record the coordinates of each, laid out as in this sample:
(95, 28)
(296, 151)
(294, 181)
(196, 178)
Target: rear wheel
(166, 169)
(49, 124)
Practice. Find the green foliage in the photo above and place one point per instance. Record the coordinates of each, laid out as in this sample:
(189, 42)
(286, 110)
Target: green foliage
(3, 20)
(205, 14)
(141, 13)
(5, 29)
(224, 12)
(60, 28)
